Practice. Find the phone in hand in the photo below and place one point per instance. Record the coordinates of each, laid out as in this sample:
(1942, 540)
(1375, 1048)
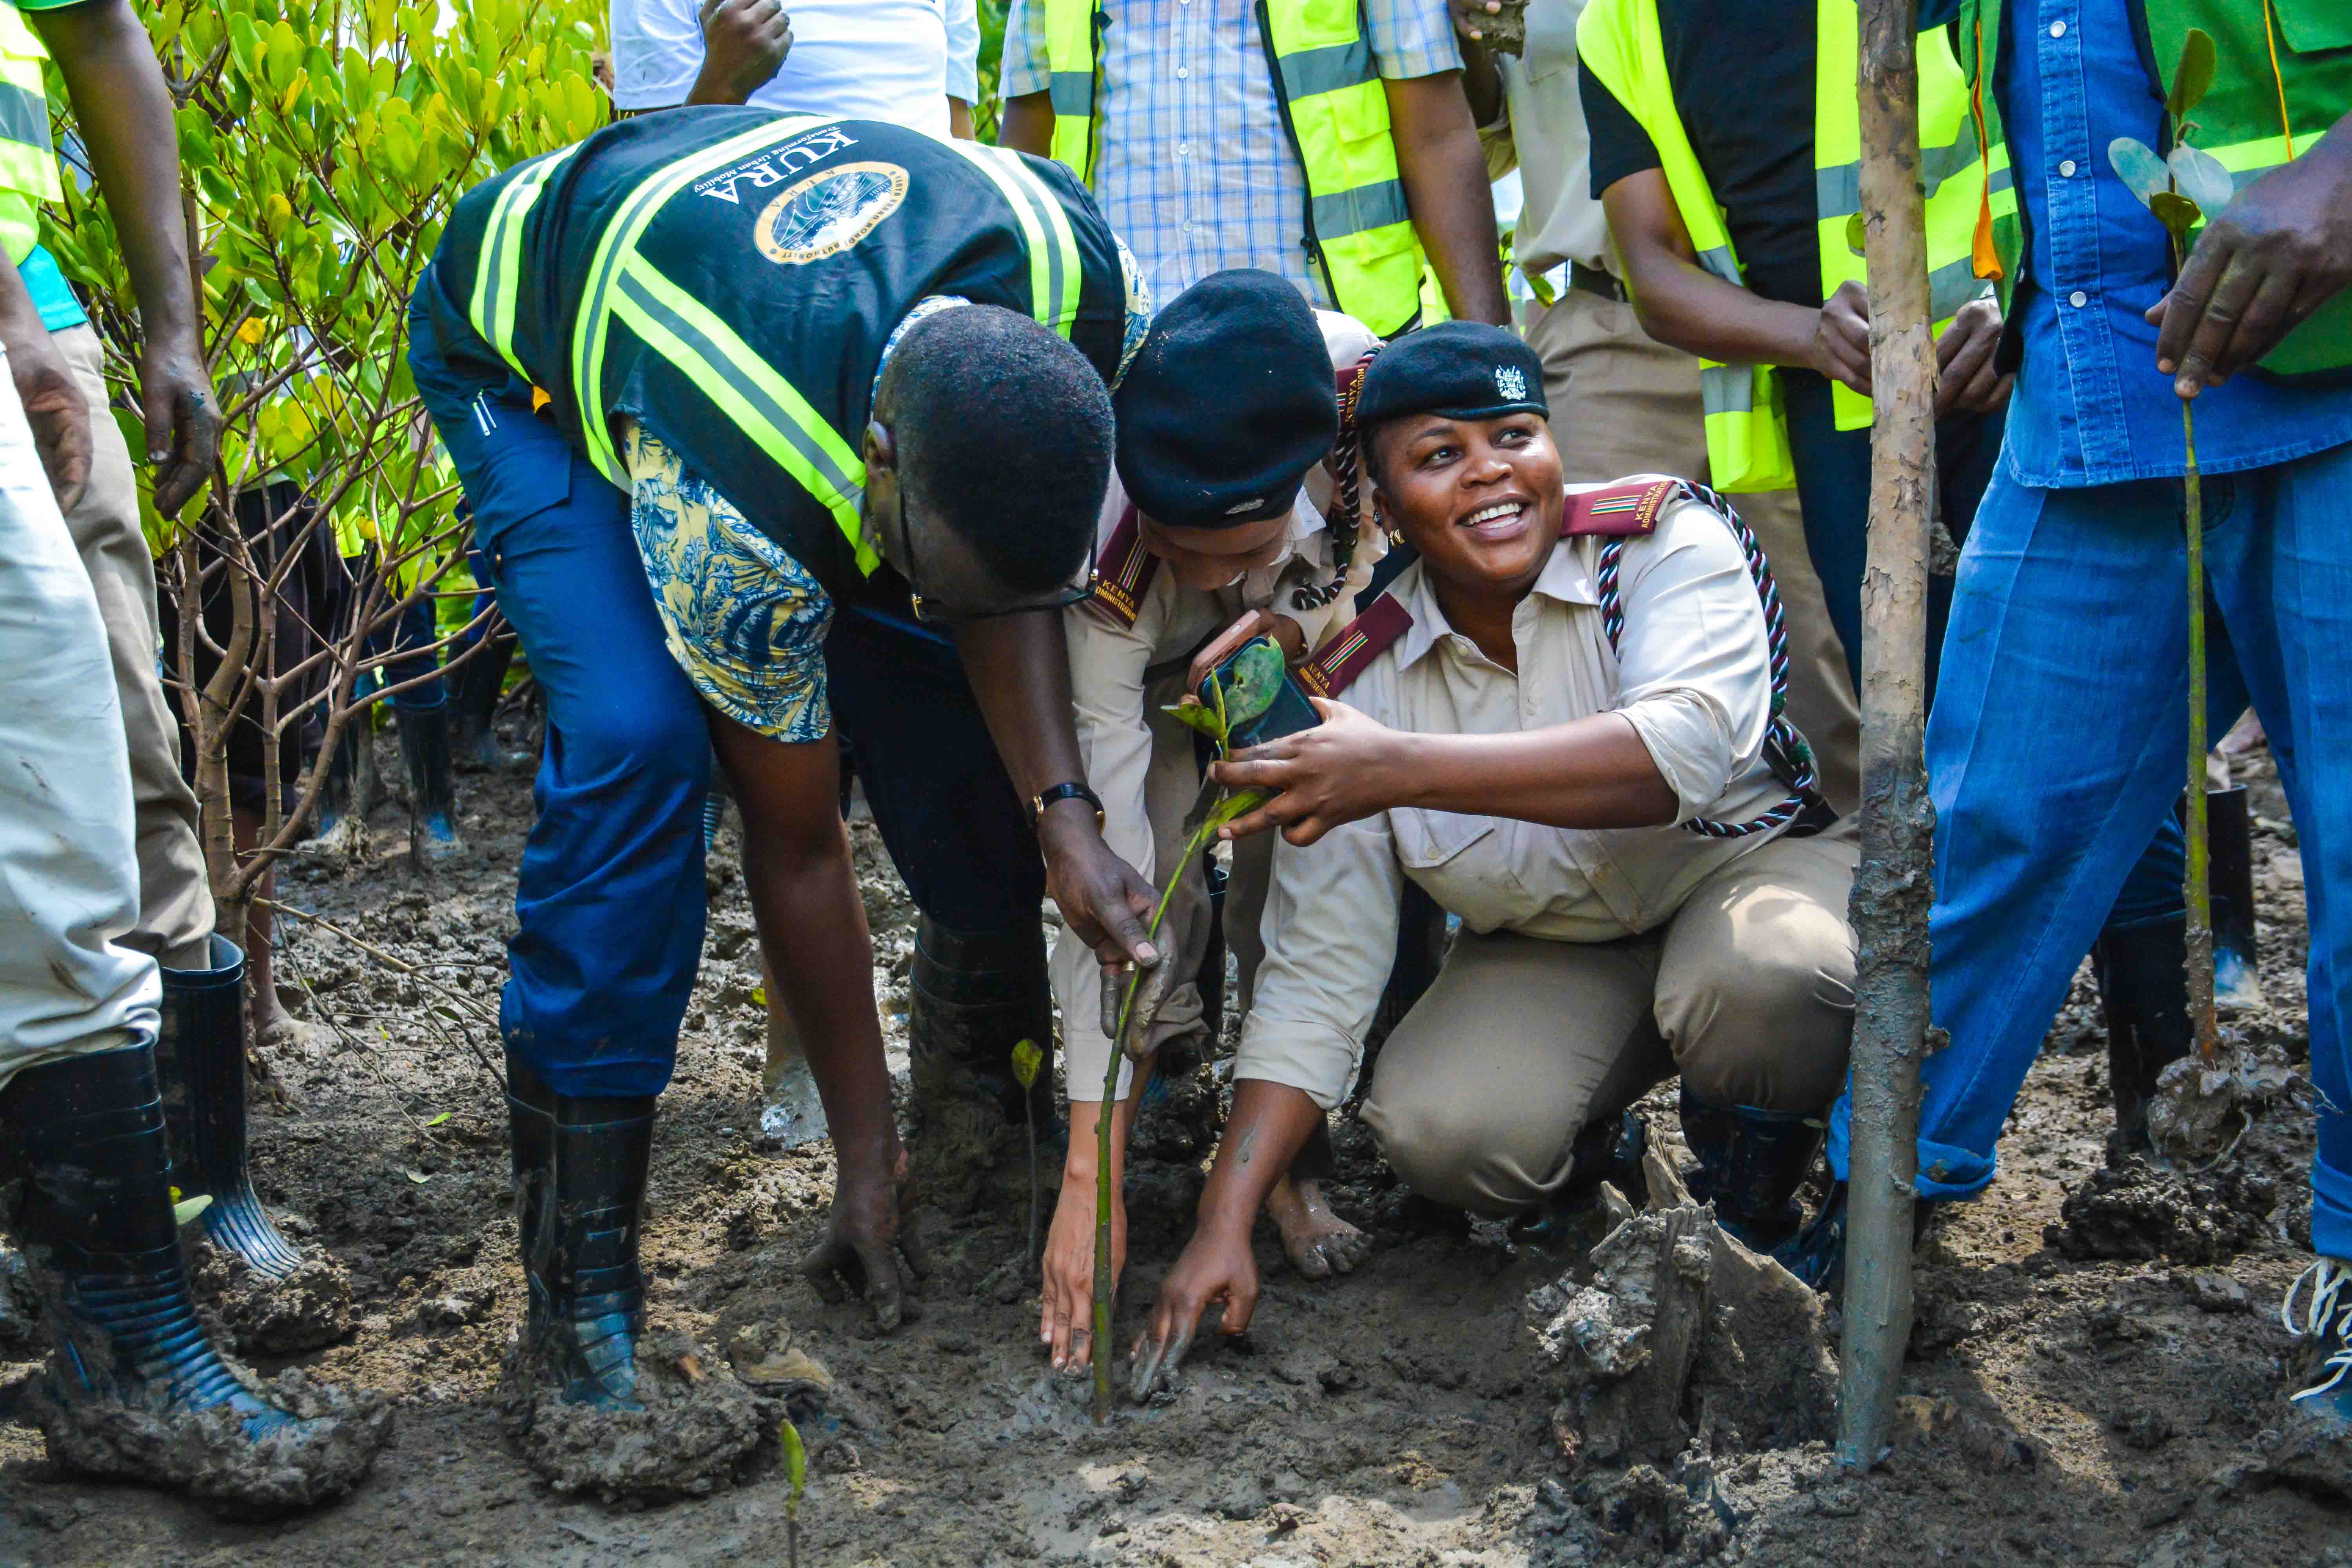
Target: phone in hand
(1262, 702)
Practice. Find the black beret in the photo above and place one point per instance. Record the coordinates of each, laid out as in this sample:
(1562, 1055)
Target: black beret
(1456, 370)
(1228, 403)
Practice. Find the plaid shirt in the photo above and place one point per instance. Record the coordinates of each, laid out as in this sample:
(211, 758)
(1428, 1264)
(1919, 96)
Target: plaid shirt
(1192, 167)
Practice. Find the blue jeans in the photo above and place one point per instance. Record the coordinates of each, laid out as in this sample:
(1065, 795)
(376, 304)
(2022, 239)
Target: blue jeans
(2058, 743)
(610, 898)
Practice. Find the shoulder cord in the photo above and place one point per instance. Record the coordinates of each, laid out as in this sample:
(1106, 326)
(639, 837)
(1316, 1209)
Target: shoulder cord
(1339, 522)
(1790, 758)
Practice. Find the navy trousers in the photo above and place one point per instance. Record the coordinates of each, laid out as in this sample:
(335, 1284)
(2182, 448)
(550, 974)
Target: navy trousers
(611, 895)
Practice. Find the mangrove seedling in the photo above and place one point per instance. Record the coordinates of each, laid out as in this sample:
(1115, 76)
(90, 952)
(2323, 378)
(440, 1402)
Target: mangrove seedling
(796, 1477)
(1238, 694)
(2181, 190)
(1027, 1062)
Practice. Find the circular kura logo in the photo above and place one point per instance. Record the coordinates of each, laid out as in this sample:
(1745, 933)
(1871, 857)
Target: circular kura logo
(826, 214)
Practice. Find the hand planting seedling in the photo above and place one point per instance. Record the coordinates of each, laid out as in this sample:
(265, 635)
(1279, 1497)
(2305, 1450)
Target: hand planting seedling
(2182, 190)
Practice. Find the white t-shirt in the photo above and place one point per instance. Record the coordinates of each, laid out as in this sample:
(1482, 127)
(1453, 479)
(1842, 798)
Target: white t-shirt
(899, 60)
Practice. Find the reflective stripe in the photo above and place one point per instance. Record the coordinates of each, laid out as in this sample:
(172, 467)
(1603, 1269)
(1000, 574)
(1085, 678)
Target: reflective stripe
(1327, 69)
(1072, 92)
(1837, 190)
(1718, 260)
(763, 406)
(1053, 265)
(497, 270)
(1952, 286)
(24, 115)
(1343, 213)
(622, 232)
(1726, 388)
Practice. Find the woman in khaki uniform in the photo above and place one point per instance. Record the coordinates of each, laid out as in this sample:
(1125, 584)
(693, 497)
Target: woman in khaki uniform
(1665, 902)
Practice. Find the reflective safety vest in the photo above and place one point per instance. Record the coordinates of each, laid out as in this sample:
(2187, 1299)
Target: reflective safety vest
(729, 278)
(1335, 114)
(1746, 430)
(2282, 76)
(28, 166)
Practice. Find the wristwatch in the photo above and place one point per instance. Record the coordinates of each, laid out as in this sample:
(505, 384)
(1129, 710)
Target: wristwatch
(1074, 789)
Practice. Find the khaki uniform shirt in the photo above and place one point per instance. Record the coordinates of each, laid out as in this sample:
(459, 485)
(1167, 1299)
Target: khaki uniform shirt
(1695, 684)
(1541, 129)
(1120, 674)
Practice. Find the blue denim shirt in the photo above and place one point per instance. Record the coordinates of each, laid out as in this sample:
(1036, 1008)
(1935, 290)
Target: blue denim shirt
(2090, 407)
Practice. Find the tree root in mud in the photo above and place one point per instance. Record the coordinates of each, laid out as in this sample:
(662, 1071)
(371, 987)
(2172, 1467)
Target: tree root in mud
(698, 1430)
(2199, 1112)
(2133, 1210)
(207, 1456)
(306, 1310)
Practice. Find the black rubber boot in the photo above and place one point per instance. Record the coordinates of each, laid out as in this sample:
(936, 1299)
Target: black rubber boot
(2146, 998)
(580, 1194)
(200, 1062)
(432, 792)
(971, 998)
(132, 1365)
(1608, 1149)
(474, 705)
(1751, 1164)
(2229, 834)
(342, 823)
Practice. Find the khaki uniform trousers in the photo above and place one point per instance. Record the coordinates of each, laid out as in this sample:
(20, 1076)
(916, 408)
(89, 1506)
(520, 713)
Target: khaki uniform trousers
(1622, 403)
(175, 900)
(1748, 992)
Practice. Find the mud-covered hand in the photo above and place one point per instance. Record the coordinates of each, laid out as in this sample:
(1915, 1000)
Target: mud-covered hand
(1217, 1269)
(2278, 252)
(1964, 378)
(744, 43)
(1842, 336)
(182, 417)
(1066, 1309)
(870, 1242)
(59, 413)
(1343, 770)
(1470, 14)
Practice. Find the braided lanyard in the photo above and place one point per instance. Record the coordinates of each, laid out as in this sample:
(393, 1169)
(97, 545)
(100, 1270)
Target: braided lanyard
(1791, 759)
(1347, 460)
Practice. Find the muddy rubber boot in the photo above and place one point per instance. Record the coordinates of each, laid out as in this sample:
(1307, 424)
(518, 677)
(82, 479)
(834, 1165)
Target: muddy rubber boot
(1608, 1149)
(2314, 1447)
(342, 821)
(200, 1064)
(580, 1193)
(135, 1387)
(474, 705)
(2229, 834)
(2145, 999)
(1751, 1164)
(432, 792)
(971, 998)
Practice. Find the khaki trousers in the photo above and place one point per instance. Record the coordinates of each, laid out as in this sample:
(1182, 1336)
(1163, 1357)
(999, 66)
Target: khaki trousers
(1622, 403)
(1747, 993)
(175, 900)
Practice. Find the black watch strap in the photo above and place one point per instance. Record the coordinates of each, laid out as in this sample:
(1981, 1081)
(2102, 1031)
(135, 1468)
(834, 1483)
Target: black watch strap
(1076, 789)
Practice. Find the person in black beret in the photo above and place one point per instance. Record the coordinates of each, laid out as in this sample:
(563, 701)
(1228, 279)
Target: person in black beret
(1220, 525)
(1563, 723)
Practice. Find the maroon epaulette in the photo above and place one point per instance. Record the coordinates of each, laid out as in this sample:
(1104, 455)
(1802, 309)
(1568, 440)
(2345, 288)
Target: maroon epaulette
(1123, 572)
(1620, 511)
(1346, 379)
(1355, 646)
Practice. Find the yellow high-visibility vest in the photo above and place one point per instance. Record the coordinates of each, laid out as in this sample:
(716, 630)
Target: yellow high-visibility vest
(28, 166)
(1359, 230)
(1746, 430)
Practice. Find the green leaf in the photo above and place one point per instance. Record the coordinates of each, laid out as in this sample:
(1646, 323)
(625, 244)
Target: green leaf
(419, 1178)
(1193, 715)
(2136, 164)
(2193, 77)
(1251, 682)
(2176, 211)
(2199, 176)
(1855, 230)
(795, 1466)
(1235, 805)
(182, 1213)
(438, 1120)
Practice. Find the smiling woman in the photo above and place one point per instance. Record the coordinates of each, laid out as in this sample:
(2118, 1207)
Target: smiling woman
(1561, 723)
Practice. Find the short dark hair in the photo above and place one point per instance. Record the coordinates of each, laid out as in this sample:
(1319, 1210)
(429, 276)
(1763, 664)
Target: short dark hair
(1003, 432)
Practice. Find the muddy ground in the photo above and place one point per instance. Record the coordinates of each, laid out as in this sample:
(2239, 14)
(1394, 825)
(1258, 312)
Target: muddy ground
(1396, 1417)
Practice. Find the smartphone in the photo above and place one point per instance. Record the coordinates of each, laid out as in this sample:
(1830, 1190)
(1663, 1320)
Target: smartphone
(1288, 712)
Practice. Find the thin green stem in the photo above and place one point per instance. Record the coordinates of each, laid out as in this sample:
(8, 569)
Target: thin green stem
(2197, 882)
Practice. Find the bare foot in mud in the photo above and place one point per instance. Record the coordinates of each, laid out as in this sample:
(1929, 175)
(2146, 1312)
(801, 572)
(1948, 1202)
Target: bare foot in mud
(1318, 1242)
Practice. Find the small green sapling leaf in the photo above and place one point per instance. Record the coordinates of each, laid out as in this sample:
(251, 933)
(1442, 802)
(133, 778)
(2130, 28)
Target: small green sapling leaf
(1027, 1061)
(2193, 77)
(184, 1211)
(1232, 807)
(1195, 716)
(2136, 164)
(438, 1120)
(2176, 211)
(1255, 682)
(2200, 176)
(1856, 231)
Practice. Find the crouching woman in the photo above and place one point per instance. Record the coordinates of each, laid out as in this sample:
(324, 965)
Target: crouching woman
(1561, 723)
